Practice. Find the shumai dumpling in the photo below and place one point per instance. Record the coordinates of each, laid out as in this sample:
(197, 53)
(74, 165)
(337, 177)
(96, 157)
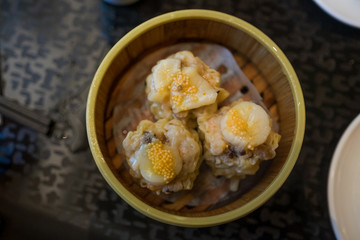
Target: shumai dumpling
(180, 83)
(165, 156)
(237, 138)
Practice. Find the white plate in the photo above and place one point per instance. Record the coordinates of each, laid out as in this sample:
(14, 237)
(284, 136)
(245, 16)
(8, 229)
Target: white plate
(347, 11)
(344, 184)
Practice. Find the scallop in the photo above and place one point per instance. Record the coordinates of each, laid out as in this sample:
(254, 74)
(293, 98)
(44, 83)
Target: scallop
(159, 81)
(246, 124)
(158, 163)
(189, 91)
(184, 82)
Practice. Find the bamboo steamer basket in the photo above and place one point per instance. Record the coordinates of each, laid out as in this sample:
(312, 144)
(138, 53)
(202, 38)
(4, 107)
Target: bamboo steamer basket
(262, 62)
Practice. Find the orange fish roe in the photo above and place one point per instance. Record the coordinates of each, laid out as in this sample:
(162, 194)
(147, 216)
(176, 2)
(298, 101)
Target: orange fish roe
(235, 123)
(162, 161)
(181, 83)
(238, 126)
(176, 99)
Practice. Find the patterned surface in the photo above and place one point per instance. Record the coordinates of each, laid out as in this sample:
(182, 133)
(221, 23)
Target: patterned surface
(49, 53)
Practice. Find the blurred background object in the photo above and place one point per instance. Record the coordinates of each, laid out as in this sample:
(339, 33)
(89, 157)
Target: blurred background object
(121, 2)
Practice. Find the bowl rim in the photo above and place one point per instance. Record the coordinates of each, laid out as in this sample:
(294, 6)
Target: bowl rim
(226, 216)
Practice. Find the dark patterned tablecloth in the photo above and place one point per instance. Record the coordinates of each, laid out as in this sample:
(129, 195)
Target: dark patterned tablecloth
(50, 187)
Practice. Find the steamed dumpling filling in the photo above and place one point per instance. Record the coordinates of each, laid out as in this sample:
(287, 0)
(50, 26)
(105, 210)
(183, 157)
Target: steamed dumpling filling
(180, 83)
(184, 94)
(165, 156)
(237, 139)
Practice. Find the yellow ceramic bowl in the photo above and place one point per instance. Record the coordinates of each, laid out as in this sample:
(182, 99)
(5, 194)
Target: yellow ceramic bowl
(256, 51)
